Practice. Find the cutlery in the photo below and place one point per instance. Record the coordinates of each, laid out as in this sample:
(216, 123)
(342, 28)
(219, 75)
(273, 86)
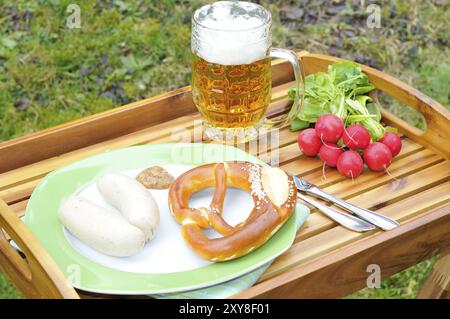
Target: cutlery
(374, 218)
(349, 221)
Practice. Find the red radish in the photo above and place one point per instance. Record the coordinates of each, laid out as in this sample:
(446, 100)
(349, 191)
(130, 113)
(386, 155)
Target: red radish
(329, 154)
(329, 127)
(356, 137)
(392, 141)
(309, 142)
(377, 156)
(350, 164)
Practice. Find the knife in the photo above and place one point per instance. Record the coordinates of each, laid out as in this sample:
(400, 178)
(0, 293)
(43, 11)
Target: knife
(374, 218)
(349, 221)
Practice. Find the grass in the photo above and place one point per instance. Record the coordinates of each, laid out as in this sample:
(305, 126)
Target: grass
(7, 289)
(125, 51)
(403, 285)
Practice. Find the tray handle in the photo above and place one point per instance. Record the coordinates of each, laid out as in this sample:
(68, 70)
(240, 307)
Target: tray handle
(38, 276)
(392, 118)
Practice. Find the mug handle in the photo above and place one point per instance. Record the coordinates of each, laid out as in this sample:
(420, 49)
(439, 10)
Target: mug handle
(299, 76)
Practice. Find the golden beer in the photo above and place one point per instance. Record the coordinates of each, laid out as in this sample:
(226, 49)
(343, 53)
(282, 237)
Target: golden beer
(231, 48)
(230, 96)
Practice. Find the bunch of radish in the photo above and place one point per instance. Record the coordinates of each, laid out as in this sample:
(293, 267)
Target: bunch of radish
(329, 130)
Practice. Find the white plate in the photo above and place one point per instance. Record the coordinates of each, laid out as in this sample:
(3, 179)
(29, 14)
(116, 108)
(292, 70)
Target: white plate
(168, 247)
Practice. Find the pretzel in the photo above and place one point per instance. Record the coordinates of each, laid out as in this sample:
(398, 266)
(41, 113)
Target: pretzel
(274, 197)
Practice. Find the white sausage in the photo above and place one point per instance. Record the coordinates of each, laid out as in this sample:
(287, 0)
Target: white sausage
(101, 228)
(133, 200)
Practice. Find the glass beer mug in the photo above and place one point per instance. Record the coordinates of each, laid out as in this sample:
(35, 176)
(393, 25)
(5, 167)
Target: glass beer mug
(231, 70)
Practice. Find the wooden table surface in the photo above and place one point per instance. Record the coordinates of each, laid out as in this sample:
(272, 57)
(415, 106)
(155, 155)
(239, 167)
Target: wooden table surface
(326, 259)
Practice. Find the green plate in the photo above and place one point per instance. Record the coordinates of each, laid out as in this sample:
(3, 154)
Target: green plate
(85, 274)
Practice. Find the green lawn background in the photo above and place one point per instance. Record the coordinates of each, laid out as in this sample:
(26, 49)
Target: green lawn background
(129, 50)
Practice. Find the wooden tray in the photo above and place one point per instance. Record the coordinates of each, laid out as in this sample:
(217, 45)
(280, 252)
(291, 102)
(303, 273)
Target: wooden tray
(326, 259)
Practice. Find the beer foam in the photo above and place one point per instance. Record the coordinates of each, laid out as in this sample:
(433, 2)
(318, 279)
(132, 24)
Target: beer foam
(231, 33)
